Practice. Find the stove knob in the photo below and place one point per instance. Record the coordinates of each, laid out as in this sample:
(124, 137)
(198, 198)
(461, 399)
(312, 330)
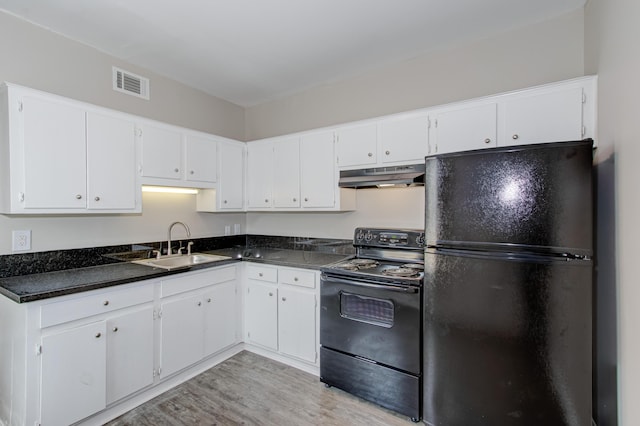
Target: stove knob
(420, 240)
(369, 236)
(360, 235)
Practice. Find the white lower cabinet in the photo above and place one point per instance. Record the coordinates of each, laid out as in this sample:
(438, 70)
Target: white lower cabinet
(281, 310)
(197, 317)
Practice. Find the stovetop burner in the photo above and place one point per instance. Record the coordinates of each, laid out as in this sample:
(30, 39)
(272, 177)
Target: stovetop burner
(402, 272)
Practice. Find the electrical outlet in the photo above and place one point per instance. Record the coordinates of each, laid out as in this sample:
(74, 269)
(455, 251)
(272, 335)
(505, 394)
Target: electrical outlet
(236, 228)
(21, 240)
(227, 230)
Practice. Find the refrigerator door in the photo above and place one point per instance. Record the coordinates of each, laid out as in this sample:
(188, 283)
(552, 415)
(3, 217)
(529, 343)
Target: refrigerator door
(507, 339)
(534, 197)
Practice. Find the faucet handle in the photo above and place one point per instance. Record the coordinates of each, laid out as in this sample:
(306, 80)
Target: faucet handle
(156, 252)
(189, 244)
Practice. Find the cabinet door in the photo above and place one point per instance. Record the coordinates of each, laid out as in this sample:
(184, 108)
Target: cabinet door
(181, 336)
(54, 142)
(111, 162)
(259, 174)
(297, 323)
(201, 159)
(220, 326)
(404, 139)
(465, 129)
(317, 170)
(161, 152)
(286, 173)
(73, 374)
(129, 353)
(548, 117)
(357, 146)
(261, 315)
(230, 183)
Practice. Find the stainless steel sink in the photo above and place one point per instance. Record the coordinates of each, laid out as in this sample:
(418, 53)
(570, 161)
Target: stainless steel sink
(181, 261)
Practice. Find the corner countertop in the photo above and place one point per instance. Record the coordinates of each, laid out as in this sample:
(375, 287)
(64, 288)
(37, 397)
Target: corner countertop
(29, 288)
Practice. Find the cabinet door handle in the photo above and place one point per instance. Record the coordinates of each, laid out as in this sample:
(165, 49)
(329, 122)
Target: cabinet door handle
(176, 170)
(306, 199)
(98, 335)
(284, 299)
(105, 303)
(260, 274)
(370, 154)
(487, 140)
(270, 294)
(295, 199)
(266, 200)
(199, 303)
(78, 197)
(97, 198)
(191, 172)
(387, 152)
(225, 201)
(209, 300)
(115, 329)
(514, 137)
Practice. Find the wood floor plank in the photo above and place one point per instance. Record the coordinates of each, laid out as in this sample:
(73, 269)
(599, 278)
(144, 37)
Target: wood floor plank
(248, 389)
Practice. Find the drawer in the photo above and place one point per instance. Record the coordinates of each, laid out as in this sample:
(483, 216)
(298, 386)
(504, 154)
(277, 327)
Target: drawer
(70, 310)
(196, 280)
(262, 273)
(299, 277)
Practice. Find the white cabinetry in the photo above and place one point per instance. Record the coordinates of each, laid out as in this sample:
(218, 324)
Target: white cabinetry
(281, 312)
(318, 177)
(260, 171)
(403, 139)
(357, 145)
(462, 129)
(286, 173)
(172, 156)
(228, 194)
(189, 307)
(556, 112)
(94, 350)
(63, 156)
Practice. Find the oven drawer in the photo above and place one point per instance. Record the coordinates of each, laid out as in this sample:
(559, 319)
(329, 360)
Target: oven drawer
(372, 382)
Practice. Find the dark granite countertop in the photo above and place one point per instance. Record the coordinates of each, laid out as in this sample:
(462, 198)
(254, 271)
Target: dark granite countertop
(32, 287)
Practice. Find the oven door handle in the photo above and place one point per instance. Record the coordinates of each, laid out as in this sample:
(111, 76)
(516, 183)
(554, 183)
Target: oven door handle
(359, 283)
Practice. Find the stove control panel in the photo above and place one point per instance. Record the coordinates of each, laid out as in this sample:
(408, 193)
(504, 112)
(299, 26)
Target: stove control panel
(396, 238)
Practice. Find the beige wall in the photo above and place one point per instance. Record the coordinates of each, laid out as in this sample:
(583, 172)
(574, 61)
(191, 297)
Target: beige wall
(611, 48)
(540, 53)
(37, 58)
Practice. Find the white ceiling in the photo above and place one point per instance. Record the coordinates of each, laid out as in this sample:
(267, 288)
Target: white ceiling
(253, 51)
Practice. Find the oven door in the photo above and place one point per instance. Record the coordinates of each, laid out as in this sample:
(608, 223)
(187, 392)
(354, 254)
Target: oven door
(372, 320)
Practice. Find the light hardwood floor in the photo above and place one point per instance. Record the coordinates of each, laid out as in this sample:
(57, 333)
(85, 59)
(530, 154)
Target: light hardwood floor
(248, 389)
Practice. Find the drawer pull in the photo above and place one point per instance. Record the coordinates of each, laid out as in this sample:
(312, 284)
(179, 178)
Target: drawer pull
(115, 329)
(295, 279)
(260, 274)
(105, 303)
(98, 335)
(284, 299)
(199, 303)
(209, 300)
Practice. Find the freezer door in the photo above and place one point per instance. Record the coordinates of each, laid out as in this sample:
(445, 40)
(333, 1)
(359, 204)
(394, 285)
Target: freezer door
(507, 340)
(506, 198)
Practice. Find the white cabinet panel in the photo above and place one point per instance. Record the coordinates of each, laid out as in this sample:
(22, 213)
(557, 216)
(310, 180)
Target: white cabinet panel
(318, 182)
(261, 314)
(129, 353)
(182, 331)
(297, 323)
(404, 139)
(111, 162)
(547, 117)
(161, 152)
(357, 145)
(54, 154)
(286, 173)
(466, 128)
(201, 158)
(73, 374)
(231, 176)
(220, 324)
(260, 170)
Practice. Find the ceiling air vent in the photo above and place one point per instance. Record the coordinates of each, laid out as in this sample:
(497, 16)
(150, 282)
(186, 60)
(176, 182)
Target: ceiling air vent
(132, 84)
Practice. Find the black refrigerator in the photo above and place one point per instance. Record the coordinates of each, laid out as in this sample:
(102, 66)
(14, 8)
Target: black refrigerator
(508, 286)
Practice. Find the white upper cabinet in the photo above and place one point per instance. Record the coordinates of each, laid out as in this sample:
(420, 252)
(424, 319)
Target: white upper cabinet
(62, 156)
(260, 174)
(462, 129)
(404, 139)
(552, 116)
(318, 179)
(357, 145)
(231, 175)
(110, 153)
(172, 156)
(200, 154)
(286, 173)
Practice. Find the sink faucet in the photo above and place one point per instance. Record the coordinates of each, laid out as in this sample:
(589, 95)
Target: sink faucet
(186, 228)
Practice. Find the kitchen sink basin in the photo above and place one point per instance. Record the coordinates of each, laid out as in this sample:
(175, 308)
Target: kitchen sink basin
(181, 261)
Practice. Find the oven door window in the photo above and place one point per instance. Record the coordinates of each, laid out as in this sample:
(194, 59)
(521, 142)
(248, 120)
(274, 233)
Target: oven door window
(366, 309)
